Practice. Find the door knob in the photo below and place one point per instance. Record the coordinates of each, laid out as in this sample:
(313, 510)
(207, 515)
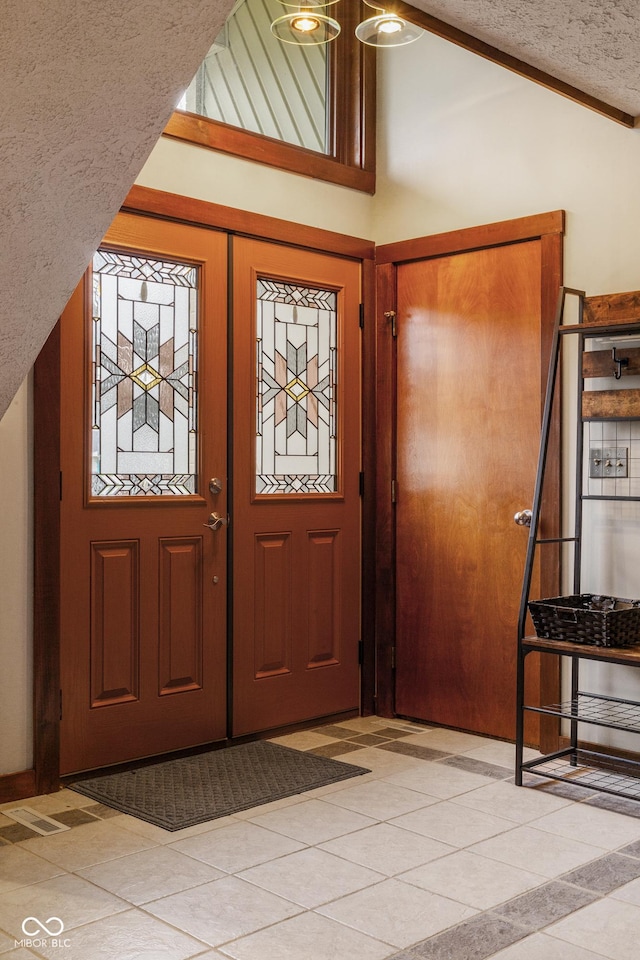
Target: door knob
(523, 518)
(215, 521)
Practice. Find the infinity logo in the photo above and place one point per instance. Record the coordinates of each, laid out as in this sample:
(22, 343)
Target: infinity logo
(41, 927)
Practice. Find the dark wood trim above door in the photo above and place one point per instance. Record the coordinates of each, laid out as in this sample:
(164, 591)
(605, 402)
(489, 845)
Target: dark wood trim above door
(253, 146)
(549, 229)
(472, 238)
(203, 213)
(164, 206)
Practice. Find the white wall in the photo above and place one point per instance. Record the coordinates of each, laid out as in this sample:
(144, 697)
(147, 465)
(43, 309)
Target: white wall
(464, 142)
(16, 585)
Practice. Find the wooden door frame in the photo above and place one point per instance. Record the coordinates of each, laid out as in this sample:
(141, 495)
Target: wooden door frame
(44, 778)
(548, 228)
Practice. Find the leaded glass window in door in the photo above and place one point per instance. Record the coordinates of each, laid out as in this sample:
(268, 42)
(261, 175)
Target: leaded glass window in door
(296, 389)
(144, 364)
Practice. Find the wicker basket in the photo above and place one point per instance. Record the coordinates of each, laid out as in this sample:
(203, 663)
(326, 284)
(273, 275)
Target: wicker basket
(588, 618)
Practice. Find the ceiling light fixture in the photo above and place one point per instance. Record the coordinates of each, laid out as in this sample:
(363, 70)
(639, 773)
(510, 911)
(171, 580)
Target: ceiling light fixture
(305, 23)
(307, 26)
(387, 30)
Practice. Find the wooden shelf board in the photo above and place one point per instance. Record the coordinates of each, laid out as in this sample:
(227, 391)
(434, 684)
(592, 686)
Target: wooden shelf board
(611, 404)
(599, 363)
(624, 655)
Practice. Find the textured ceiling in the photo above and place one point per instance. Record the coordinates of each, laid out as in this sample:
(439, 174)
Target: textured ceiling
(591, 44)
(87, 88)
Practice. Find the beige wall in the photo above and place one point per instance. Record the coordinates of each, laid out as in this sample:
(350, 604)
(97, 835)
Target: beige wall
(461, 142)
(15, 585)
(465, 142)
(197, 172)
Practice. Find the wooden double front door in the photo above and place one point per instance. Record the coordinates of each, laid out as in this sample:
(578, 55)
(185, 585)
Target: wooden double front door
(210, 459)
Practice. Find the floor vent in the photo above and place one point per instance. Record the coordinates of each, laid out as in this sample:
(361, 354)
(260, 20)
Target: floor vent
(35, 821)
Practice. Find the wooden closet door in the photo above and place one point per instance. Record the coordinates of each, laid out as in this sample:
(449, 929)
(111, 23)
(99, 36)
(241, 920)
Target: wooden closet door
(468, 422)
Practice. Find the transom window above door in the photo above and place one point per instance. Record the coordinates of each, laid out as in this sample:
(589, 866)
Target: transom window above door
(252, 80)
(305, 108)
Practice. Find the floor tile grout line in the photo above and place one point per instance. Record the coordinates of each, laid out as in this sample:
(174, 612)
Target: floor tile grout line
(127, 907)
(159, 844)
(216, 946)
(301, 911)
(136, 908)
(529, 932)
(347, 782)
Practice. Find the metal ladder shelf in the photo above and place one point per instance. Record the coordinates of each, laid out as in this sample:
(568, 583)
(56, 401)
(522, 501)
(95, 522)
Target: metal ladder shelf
(595, 770)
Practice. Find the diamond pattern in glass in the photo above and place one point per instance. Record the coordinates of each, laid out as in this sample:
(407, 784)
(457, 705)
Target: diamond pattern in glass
(144, 349)
(296, 389)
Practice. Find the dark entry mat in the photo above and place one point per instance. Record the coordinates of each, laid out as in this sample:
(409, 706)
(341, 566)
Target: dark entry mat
(175, 794)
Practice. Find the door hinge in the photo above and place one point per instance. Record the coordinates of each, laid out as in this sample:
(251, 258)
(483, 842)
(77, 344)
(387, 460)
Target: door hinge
(60, 717)
(391, 315)
(361, 320)
(393, 658)
(360, 652)
(361, 483)
(394, 491)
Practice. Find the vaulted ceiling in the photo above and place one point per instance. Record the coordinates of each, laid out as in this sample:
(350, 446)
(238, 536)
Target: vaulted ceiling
(87, 88)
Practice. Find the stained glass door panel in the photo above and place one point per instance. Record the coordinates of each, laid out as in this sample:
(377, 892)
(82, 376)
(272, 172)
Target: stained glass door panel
(144, 369)
(143, 594)
(296, 510)
(296, 362)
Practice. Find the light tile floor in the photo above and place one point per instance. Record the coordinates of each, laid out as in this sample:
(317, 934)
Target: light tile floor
(433, 855)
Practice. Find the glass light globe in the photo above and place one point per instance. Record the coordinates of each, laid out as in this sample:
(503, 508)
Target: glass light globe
(305, 26)
(387, 30)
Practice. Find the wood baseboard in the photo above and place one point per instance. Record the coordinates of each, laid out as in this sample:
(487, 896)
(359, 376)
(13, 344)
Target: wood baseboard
(17, 786)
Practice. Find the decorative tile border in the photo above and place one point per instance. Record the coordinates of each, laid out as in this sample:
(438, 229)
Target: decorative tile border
(490, 931)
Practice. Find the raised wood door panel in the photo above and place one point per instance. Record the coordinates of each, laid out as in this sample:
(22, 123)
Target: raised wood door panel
(296, 533)
(143, 583)
(468, 421)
